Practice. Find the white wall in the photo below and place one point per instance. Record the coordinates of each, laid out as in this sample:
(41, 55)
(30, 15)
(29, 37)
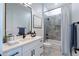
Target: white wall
(1, 25)
(39, 31)
(75, 12)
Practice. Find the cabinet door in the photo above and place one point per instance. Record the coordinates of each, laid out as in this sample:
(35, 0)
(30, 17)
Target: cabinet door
(27, 50)
(38, 49)
(27, 53)
(1, 26)
(14, 52)
(33, 49)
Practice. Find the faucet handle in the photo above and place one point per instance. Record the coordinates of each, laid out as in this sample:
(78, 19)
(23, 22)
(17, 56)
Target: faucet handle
(0, 54)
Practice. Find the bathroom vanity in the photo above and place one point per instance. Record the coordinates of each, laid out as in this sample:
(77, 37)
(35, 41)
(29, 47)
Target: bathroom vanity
(16, 25)
(29, 46)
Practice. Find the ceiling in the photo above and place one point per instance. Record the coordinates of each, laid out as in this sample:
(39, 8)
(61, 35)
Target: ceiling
(47, 6)
(37, 7)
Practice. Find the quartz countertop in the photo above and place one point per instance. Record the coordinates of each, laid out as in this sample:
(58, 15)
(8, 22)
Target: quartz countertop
(19, 42)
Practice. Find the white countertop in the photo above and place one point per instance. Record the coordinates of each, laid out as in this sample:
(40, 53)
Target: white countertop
(20, 42)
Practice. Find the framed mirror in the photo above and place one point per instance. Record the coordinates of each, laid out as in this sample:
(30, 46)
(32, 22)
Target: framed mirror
(35, 20)
(17, 16)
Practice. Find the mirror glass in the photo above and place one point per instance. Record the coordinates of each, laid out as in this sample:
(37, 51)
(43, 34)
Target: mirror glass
(17, 15)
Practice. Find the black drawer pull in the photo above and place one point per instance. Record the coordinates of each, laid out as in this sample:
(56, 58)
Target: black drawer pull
(41, 54)
(40, 40)
(41, 46)
(0, 55)
(15, 54)
(33, 52)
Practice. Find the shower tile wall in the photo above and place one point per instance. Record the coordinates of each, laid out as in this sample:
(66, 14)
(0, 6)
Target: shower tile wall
(53, 27)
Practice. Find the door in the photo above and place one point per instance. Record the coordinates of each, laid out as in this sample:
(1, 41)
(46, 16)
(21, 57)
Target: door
(1, 35)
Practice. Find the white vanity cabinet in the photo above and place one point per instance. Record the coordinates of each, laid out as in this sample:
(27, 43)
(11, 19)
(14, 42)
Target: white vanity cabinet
(38, 50)
(31, 48)
(34, 48)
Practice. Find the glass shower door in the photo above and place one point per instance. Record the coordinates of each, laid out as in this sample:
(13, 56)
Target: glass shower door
(53, 24)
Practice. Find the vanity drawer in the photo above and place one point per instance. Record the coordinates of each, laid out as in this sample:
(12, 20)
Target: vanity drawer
(14, 52)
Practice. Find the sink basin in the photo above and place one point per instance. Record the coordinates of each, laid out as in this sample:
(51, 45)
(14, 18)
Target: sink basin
(12, 42)
(27, 38)
(24, 40)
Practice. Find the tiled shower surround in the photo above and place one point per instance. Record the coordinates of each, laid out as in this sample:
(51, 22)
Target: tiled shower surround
(53, 27)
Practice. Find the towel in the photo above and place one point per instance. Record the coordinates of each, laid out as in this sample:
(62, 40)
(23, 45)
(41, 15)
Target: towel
(73, 42)
(21, 31)
(77, 36)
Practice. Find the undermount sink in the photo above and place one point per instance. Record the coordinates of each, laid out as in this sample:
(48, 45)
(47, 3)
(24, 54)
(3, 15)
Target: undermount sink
(24, 40)
(12, 42)
(27, 38)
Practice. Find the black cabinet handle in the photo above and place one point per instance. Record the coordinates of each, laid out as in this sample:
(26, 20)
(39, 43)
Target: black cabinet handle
(41, 54)
(41, 46)
(32, 52)
(0, 55)
(15, 54)
(40, 40)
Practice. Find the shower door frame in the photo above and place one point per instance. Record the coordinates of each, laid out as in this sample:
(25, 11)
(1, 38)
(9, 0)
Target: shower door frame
(65, 28)
(51, 23)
